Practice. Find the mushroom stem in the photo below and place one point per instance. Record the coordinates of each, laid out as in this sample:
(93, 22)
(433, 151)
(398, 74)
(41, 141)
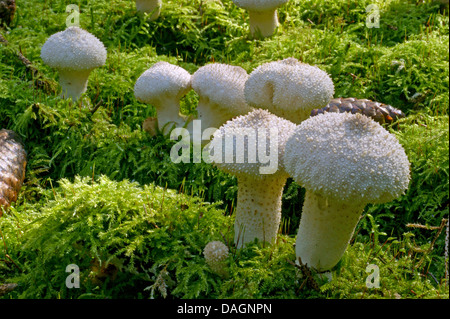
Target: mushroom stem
(211, 119)
(263, 22)
(325, 230)
(258, 210)
(152, 7)
(73, 83)
(169, 113)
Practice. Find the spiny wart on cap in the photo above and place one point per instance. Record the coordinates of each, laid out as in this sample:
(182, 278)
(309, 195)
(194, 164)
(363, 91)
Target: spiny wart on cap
(381, 113)
(13, 161)
(289, 89)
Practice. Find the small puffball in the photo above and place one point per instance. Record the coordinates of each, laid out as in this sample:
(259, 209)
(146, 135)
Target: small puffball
(244, 139)
(216, 254)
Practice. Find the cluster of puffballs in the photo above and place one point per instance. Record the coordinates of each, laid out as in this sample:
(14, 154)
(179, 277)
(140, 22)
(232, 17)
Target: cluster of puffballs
(343, 160)
(75, 52)
(263, 15)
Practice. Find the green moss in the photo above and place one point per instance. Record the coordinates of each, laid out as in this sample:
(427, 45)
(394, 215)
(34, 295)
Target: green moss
(82, 159)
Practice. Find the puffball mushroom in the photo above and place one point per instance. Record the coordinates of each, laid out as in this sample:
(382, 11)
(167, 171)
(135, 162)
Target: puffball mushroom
(289, 89)
(220, 88)
(216, 254)
(163, 85)
(263, 15)
(74, 52)
(251, 147)
(344, 161)
(152, 7)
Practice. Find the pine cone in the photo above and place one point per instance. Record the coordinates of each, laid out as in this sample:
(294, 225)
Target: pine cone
(381, 113)
(7, 10)
(13, 161)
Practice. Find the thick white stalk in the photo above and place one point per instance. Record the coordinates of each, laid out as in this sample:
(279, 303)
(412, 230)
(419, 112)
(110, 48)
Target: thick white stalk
(211, 116)
(73, 83)
(168, 114)
(258, 209)
(263, 22)
(152, 7)
(325, 230)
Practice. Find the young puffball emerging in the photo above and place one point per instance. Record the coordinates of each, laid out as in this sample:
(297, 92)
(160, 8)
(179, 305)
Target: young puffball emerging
(152, 7)
(344, 161)
(263, 15)
(216, 254)
(163, 85)
(289, 89)
(251, 147)
(74, 52)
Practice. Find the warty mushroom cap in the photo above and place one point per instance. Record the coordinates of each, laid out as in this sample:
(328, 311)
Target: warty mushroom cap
(259, 5)
(289, 88)
(347, 158)
(73, 49)
(161, 80)
(260, 122)
(222, 85)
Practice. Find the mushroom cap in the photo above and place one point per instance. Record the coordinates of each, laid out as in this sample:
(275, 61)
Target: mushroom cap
(223, 86)
(215, 252)
(288, 85)
(74, 49)
(259, 5)
(254, 129)
(347, 157)
(163, 79)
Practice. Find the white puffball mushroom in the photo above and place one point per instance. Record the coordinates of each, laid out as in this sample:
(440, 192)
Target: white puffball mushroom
(74, 52)
(344, 161)
(289, 89)
(263, 15)
(152, 7)
(163, 85)
(216, 254)
(251, 147)
(220, 88)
